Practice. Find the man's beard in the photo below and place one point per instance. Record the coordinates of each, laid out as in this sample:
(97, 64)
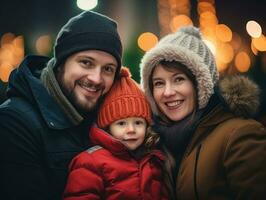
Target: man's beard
(83, 109)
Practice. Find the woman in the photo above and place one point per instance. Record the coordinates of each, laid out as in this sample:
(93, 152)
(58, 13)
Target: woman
(219, 151)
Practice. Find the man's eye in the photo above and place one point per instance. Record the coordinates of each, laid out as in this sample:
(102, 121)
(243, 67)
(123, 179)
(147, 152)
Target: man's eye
(86, 63)
(110, 69)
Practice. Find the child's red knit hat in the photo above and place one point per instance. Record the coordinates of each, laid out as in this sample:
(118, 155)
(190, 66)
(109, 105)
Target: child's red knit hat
(125, 99)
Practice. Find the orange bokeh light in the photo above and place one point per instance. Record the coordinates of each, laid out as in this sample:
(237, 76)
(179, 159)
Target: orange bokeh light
(7, 38)
(5, 70)
(147, 40)
(225, 52)
(223, 33)
(44, 45)
(179, 21)
(205, 6)
(242, 62)
(260, 43)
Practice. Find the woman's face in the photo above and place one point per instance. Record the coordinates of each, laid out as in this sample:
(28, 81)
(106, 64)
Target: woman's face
(173, 92)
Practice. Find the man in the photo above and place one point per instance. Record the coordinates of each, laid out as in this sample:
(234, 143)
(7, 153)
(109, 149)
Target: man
(51, 106)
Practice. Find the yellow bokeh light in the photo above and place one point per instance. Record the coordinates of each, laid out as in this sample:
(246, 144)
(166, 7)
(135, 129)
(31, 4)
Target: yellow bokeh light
(179, 21)
(223, 33)
(242, 62)
(44, 45)
(147, 40)
(260, 43)
(253, 29)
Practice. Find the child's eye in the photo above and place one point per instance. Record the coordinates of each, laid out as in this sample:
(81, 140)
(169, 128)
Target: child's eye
(121, 123)
(140, 122)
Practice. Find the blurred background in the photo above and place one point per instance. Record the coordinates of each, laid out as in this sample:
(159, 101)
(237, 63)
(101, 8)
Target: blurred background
(235, 31)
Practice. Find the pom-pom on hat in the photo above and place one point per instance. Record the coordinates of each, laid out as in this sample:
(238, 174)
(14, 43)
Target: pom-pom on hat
(125, 99)
(187, 47)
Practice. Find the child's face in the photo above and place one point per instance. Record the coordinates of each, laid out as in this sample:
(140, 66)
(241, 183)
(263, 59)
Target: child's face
(130, 131)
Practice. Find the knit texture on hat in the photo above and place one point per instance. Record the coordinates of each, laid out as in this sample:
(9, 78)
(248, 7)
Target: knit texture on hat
(88, 31)
(187, 47)
(125, 99)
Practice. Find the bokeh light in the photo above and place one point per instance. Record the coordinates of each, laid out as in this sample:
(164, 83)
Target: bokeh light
(242, 61)
(87, 4)
(223, 33)
(260, 43)
(225, 52)
(44, 45)
(204, 6)
(147, 40)
(179, 21)
(253, 29)
(11, 54)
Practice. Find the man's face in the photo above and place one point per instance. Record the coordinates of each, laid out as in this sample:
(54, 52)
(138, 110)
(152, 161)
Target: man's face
(86, 76)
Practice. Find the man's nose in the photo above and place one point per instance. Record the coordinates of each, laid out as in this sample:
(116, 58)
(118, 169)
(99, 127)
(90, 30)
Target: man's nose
(95, 75)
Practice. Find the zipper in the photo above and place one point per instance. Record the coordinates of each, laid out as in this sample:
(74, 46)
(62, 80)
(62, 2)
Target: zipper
(195, 172)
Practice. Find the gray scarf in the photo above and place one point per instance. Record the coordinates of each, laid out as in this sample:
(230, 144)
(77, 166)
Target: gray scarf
(50, 83)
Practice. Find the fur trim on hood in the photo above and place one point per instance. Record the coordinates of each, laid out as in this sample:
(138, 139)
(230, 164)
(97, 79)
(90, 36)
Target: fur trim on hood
(240, 94)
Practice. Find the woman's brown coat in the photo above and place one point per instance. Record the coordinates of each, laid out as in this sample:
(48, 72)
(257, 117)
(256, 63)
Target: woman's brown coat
(226, 158)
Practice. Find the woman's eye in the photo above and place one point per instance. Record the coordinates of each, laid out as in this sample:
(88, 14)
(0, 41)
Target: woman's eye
(157, 83)
(179, 79)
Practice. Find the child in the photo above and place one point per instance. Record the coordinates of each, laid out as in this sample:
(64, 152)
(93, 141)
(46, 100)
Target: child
(122, 163)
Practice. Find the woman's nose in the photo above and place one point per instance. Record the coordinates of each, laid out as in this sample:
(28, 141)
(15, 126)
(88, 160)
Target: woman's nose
(169, 90)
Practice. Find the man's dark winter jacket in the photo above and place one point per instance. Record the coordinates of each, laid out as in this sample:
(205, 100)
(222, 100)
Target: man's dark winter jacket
(37, 141)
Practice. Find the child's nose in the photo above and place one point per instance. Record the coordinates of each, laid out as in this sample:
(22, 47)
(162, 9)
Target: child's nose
(130, 128)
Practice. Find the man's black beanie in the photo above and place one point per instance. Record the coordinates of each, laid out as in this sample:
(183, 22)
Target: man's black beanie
(88, 31)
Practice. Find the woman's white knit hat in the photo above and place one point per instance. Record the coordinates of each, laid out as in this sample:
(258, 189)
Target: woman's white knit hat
(187, 47)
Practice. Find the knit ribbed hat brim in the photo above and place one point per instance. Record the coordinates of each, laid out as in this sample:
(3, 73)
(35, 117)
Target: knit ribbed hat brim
(124, 100)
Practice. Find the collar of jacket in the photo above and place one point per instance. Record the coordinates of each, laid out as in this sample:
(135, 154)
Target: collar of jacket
(238, 96)
(215, 117)
(105, 140)
(25, 82)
